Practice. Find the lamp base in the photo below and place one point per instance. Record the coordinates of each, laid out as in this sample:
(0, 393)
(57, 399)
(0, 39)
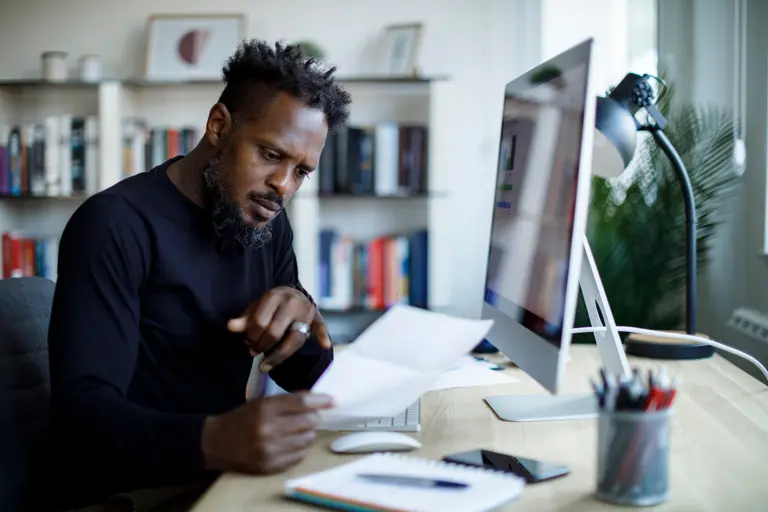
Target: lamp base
(656, 347)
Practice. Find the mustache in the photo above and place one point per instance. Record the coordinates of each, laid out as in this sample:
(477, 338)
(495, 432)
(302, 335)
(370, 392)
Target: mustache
(269, 196)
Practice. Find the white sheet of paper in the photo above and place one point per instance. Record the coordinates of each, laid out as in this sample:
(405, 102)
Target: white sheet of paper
(394, 361)
(470, 372)
(352, 378)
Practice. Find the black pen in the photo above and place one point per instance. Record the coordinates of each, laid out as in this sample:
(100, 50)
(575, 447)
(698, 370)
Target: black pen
(413, 481)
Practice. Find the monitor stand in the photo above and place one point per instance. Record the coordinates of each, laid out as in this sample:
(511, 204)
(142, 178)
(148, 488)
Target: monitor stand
(546, 407)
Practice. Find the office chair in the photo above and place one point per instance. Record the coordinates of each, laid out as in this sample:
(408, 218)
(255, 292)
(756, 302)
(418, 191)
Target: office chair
(25, 309)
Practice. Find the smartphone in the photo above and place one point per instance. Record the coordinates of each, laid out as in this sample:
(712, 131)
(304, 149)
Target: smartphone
(533, 471)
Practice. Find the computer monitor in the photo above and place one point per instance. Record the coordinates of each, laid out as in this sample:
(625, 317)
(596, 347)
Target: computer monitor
(536, 257)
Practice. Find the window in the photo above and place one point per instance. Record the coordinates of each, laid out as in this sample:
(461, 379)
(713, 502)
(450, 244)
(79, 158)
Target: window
(624, 32)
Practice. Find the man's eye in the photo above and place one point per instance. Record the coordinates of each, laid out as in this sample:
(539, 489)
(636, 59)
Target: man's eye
(304, 173)
(270, 155)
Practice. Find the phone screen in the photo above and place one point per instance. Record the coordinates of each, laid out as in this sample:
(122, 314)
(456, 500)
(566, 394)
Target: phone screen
(531, 470)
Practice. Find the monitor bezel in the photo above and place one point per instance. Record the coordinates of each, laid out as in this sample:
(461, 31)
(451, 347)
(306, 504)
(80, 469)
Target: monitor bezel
(535, 354)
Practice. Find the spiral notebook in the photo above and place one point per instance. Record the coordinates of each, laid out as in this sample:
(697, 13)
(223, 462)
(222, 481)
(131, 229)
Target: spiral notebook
(343, 488)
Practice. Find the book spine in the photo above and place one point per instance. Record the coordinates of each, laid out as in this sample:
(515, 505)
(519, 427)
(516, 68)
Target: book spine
(5, 172)
(14, 162)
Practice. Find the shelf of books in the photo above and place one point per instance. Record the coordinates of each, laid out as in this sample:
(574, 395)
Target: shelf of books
(374, 228)
(49, 161)
(371, 229)
(62, 142)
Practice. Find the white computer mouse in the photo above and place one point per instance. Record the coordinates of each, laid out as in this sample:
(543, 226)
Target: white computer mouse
(370, 442)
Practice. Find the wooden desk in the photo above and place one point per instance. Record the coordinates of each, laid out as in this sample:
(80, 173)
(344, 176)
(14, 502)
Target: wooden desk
(719, 446)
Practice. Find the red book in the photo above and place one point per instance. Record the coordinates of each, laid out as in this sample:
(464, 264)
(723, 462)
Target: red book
(12, 256)
(376, 266)
(28, 260)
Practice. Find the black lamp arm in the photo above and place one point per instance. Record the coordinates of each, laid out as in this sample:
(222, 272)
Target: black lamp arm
(634, 92)
(690, 222)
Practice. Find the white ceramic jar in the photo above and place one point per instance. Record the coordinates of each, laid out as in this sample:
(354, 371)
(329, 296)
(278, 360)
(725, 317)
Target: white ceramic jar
(54, 66)
(90, 68)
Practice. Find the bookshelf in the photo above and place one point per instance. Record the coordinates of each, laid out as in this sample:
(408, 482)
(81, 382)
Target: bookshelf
(367, 214)
(29, 111)
(121, 107)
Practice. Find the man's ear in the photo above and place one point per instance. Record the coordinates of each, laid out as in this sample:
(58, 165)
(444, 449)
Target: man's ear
(219, 125)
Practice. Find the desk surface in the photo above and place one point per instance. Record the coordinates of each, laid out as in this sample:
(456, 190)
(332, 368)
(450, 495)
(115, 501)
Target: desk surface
(719, 445)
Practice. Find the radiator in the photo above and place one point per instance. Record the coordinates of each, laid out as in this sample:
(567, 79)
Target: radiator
(752, 323)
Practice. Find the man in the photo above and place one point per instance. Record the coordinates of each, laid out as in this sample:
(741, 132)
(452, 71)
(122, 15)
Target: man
(170, 281)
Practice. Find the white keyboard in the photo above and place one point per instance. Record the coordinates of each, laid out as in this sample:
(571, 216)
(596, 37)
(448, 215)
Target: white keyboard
(407, 421)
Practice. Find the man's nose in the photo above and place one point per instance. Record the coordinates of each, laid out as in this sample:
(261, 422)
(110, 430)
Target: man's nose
(280, 180)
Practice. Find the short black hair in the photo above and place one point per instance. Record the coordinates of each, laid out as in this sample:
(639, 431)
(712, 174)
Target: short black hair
(257, 71)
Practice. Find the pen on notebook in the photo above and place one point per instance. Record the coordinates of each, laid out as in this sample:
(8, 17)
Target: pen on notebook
(413, 481)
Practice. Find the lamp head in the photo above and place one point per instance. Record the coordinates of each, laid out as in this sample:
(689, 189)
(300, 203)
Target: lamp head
(615, 138)
(616, 126)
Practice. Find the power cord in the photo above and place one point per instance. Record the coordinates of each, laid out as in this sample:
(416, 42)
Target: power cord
(678, 336)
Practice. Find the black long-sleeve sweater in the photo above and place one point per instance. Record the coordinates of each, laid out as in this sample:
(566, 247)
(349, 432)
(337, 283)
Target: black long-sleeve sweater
(139, 349)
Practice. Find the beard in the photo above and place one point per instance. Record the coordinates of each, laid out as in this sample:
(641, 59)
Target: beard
(227, 216)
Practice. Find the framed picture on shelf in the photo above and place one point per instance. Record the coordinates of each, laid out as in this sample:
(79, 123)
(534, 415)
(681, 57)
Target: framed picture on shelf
(400, 49)
(188, 47)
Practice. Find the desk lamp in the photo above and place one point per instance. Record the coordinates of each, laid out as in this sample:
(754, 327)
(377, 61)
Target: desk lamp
(615, 141)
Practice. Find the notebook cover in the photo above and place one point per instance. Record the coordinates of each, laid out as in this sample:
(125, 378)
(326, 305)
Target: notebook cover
(335, 503)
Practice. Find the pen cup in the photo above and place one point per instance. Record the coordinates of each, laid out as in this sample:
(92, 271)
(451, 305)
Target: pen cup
(633, 457)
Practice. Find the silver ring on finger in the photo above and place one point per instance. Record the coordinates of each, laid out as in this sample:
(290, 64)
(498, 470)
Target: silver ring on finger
(300, 327)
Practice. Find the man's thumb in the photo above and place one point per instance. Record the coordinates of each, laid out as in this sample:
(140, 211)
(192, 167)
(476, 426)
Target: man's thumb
(238, 324)
(320, 330)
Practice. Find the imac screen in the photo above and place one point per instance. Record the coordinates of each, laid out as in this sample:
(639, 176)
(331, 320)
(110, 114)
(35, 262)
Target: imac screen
(535, 194)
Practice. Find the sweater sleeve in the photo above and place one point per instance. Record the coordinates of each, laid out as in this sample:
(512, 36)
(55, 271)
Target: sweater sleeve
(304, 367)
(94, 334)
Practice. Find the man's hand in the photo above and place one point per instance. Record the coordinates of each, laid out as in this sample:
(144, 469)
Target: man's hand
(269, 320)
(263, 436)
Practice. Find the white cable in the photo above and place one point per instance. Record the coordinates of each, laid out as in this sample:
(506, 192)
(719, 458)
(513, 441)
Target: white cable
(679, 336)
(586, 330)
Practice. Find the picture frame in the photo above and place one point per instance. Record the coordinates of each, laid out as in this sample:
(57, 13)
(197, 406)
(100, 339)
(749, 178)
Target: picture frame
(401, 45)
(191, 47)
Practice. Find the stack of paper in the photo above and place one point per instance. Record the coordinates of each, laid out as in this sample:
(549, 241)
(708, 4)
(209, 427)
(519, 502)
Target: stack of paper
(394, 361)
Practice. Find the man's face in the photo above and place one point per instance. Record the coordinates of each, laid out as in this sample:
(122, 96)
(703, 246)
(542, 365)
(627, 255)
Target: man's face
(260, 165)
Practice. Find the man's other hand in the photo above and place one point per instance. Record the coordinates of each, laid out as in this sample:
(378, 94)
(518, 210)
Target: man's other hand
(263, 436)
(270, 319)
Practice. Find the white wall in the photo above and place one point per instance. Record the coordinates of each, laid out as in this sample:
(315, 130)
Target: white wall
(697, 42)
(757, 152)
(624, 33)
(480, 43)
(752, 232)
(604, 20)
(696, 45)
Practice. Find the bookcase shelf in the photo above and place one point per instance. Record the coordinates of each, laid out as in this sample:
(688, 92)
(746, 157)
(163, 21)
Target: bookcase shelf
(37, 83)
(381, 197)
(354, 311)
(348, 80)
(373, 79)
(325, 197)
(28, 197)
(119, 103)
